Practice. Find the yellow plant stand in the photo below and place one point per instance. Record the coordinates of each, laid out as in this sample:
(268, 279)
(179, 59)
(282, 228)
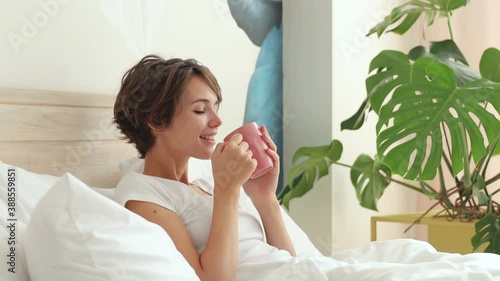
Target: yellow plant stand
(446, 236)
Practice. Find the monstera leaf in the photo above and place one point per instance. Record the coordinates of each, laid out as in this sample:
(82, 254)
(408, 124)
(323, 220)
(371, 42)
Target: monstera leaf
(406, 15)
(489, 66)
(409, 137)
(303, 176)
(448, 53)
(394, 68)
(370, 178)
(487, 231)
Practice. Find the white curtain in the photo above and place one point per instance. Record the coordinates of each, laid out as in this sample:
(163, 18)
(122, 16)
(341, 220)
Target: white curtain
(136, 20)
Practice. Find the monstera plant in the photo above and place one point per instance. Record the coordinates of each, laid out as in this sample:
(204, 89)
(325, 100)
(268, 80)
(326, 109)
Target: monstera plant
(436, 117)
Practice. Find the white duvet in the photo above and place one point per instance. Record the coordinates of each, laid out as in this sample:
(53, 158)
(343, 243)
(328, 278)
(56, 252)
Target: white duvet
(403, 259)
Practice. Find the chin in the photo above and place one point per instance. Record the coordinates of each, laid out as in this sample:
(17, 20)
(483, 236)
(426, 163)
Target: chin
(203, 156)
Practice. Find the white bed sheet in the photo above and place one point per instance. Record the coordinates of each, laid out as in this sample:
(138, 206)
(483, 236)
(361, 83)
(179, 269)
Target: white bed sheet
(403, 259)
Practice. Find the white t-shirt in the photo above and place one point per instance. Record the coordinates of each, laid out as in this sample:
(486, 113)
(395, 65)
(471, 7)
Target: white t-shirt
(195, 210)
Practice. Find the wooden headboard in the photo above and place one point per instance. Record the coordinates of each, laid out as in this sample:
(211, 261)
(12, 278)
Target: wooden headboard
(56, 132)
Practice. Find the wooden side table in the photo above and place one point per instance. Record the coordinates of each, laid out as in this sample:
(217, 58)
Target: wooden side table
(446, 236)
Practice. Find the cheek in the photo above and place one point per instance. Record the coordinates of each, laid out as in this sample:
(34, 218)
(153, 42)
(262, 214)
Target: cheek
(196, 127)
(190, 134)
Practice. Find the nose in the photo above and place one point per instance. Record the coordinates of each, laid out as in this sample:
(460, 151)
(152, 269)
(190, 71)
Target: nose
(215, 121)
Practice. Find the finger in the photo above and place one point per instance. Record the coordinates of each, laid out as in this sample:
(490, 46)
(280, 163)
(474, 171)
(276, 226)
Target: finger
(219, 147)
(267, 138)
(249, 153)
(254, 162)
(274, 155)
(244, 145)
(236, 138)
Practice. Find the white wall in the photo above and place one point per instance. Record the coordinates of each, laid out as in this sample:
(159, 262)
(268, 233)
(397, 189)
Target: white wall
(326, 58)
(73, 47)
(352, 53)
(307, 85)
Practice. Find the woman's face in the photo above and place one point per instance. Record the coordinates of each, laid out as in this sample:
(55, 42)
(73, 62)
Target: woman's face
(195, 123)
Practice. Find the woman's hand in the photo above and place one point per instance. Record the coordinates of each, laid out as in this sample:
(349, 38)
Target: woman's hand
(264, 187)
(232, 163)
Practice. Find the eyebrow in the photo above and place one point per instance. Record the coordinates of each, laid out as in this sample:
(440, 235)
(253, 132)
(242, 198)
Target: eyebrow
(204, 101)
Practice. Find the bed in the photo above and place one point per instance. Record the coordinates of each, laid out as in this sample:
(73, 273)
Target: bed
(60, 158)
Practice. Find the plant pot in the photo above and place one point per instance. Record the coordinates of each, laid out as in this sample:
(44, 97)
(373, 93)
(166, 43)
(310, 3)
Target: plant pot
(444, 235)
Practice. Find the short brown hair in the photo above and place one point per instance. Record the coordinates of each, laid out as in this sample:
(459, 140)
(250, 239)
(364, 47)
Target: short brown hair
(149, 94)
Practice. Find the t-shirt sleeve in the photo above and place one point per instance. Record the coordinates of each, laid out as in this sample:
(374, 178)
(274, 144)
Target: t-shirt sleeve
(131, 188)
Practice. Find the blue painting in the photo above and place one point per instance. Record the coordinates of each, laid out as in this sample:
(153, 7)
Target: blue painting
(261, 21)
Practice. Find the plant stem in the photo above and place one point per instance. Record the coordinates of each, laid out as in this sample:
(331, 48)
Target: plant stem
(426, 212)
(431, 188)
(444, 192)
(446, 139)
(448, 163)
(442, 185)
(486, 165)
(405, 184)
(491, 148)
(446, 160)
(466, 178)
(483, 165)
(492, 180)
(480, 163)
(449, 25)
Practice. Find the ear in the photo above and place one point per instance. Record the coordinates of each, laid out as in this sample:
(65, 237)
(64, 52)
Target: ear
(152, 127)
(152, 124)
(155, 128)
(155, 123)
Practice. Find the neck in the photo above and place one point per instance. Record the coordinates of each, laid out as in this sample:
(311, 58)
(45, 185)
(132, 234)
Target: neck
(165, 166)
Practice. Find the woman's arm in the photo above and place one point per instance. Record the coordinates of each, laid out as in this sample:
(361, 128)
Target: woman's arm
(262, 192)
(274, 226)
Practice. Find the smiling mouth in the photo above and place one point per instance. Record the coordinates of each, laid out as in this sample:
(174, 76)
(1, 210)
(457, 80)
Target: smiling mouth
(207, 138)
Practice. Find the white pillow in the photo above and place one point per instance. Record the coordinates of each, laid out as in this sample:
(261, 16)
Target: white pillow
(77, 234)
(203, 169)
(301, 242)
(30, 187)
(128, 165)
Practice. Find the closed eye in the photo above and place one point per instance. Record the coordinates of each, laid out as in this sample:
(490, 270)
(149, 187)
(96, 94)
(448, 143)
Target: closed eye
(199, 112)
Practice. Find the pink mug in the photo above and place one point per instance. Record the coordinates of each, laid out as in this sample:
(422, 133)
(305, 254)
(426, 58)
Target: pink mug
(252, 135)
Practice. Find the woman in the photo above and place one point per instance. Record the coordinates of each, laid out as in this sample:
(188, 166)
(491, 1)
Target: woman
(168, 110)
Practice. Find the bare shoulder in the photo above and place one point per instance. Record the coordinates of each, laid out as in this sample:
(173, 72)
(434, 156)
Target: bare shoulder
(147, 210)
(160, 215)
